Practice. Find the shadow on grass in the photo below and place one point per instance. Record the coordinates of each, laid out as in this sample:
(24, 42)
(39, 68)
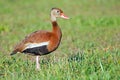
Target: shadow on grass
(76, 57)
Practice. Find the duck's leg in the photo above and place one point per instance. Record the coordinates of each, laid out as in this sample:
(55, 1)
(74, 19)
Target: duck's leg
(37, 63)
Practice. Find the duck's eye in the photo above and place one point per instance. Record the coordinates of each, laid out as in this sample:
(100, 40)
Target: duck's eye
(58, 11)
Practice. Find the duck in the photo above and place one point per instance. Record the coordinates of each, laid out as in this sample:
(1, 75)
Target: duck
(42, 42)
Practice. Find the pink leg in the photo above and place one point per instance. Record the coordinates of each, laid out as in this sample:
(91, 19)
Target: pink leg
(37, 63)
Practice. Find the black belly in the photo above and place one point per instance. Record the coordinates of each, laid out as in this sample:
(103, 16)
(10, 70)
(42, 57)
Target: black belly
(42, 50)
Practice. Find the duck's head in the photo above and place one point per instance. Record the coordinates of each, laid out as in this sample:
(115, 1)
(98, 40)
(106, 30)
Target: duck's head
(56, 12)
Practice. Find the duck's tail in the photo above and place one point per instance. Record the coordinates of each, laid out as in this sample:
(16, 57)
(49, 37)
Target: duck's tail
(13, 52)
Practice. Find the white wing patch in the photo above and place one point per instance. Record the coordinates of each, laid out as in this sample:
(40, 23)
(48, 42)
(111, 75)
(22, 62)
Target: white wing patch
(32, 45)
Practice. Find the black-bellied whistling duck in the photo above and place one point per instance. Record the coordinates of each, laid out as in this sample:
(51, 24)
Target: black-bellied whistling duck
(42, 42)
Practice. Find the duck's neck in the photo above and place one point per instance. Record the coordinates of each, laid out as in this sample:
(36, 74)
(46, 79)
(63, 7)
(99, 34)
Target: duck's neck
(56, 29)
(53, 18)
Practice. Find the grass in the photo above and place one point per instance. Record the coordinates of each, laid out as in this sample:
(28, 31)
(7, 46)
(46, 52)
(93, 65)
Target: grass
(90, 47)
